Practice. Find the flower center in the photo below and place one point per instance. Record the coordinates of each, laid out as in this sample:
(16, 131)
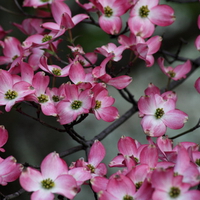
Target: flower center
(98, 105)
(14, 57)
(55, 98)
(43, 98)
(127, 197)
(56, 71)
(108, 11)
(48, 183)
(11, 94)
(159, 113)
(91, 168)
(138, 185)
(76, 105)
(46, 38)
(174, 192)
(172, 74)
(144, 11)
(197, 162)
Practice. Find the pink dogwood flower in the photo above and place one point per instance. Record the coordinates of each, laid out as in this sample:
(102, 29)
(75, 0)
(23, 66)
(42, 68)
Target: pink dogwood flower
(12, 92)
(119, 82)
(3, 33)
(112, 10)
(197, 85)
(40, 96)
(158, 113)
(10, 170)
(197, 41)
(170, 187)
(111, 49)
(145, 14)
(94, 165)
(176, 73)
(53, 178)
(3, 137)
(30, 26)
(12, 50)
(74, 104)
(62, 16)
(102, 104)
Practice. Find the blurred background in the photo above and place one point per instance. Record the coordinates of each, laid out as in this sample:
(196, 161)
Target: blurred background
(30, 141)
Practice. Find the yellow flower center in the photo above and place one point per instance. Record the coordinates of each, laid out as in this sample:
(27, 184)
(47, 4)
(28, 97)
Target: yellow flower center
(108, 11)
(47, 184)
(144, 11)
(11, 94)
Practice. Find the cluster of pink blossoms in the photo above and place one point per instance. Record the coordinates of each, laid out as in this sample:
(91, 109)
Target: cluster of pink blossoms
(150, 171)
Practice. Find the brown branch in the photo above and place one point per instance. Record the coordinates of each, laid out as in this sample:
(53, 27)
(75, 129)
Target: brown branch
(188, 131)
(14, 195)
(40, 121)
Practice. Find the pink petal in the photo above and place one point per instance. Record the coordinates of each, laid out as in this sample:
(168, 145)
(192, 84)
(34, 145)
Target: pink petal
(52, 166)
(162, 15)
(197, 85)
(65, 185)
(97, 153)
(3, 135)
(30, 179)
(182, 70)
(110, 25)
(141, 27)
(127, 146)
(80, 174)
(175, 119)
(152, 126)
(78, 18)
(120, 82)
(42, 195)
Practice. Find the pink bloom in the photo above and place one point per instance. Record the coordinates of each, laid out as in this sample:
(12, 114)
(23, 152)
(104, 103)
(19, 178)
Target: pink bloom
(11, 92)
(158, 114)
(102, 105)
(9, 170)
(197, 85)
(119, 82)
(3, 33)
(12, 50)
(169, 187)
(94, 165)
(39, 40)
(146, 14)
(111, 49)
(118, 187)
(30, 26)
(53, 69)
(110, 20)
(197, 41)
(74, 104)
(176, 73)
(146, 50)
(40, 83)
(53, 178)
(3, 137)
(62, 16)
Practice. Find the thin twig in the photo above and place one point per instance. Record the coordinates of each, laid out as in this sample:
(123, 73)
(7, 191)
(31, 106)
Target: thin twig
(40, 121)
(188, 131)
(14, 195)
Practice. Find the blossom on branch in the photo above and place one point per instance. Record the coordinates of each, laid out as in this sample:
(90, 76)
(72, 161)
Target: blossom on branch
(158, 113)
(53, 178)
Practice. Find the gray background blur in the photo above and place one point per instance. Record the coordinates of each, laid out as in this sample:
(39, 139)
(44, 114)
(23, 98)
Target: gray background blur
(30, 141)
